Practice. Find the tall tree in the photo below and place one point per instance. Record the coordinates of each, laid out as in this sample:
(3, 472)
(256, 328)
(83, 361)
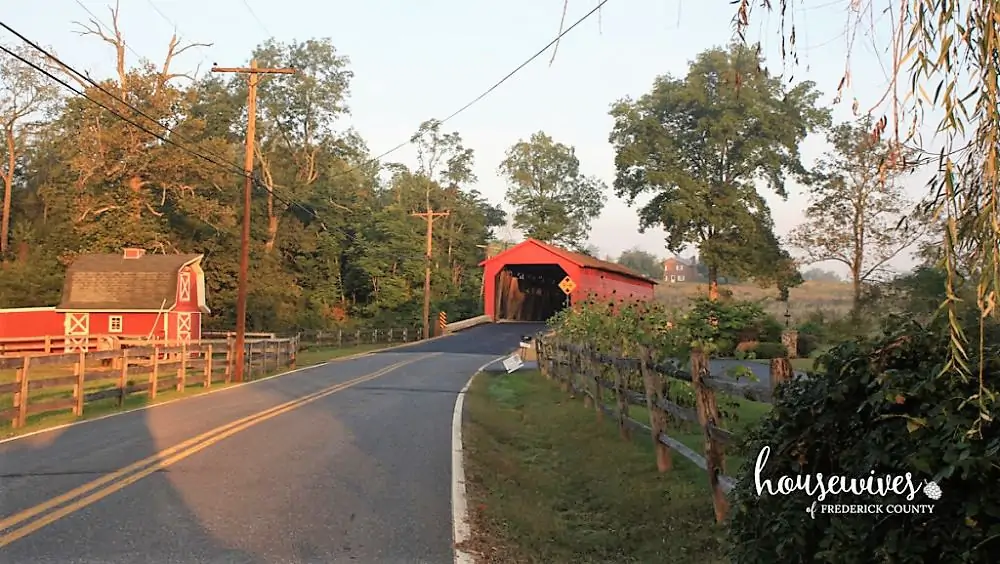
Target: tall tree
(299, 114)
(855, 208)
(642, 262)
(553, 201)
(700, 145)
(26, 99)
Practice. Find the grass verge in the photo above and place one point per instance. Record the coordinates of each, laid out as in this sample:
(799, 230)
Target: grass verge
(549, 483)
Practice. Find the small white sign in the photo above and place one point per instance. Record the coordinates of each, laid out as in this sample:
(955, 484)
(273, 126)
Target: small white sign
(512, 363)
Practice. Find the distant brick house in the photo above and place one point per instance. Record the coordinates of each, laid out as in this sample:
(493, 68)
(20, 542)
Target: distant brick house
(677, 269)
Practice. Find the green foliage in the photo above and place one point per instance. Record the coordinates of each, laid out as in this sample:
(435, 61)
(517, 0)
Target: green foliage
(881, 406)
(642, 262)
(619, 328)
(333, 242)
(768, 350)
(699, 145)
(856, 205)
(709, 324)
(553, 201)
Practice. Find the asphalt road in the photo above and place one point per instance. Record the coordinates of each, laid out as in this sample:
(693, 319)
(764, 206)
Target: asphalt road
(361, 474)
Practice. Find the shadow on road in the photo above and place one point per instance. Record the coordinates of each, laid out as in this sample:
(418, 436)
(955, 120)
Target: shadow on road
(329, 481)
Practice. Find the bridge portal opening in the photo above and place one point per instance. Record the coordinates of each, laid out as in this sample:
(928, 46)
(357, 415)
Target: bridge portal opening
(529, 292)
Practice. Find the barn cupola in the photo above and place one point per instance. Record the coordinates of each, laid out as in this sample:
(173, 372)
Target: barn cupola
(132, 253)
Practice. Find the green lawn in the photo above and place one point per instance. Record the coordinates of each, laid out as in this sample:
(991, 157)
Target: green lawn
(549, 483)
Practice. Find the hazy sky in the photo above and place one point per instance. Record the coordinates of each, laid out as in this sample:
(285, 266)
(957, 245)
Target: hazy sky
(425, 59)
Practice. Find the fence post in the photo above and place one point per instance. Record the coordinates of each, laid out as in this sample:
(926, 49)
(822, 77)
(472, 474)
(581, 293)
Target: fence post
(123, 378)
(708, 417)
(781, 371)
(623, 429)
(154, 374)
(587, 373)
(229, 359)
(21, 401)
(206, 354)
(182, 370)
(79, 368)
(790, 338)
(654, 384)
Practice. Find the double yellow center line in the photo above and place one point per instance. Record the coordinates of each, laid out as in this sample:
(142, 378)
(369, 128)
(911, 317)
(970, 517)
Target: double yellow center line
(72, 501)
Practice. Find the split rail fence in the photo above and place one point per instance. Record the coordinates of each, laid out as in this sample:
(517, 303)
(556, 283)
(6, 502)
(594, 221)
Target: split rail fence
(359, 337)
(645, 383)
(33, 385)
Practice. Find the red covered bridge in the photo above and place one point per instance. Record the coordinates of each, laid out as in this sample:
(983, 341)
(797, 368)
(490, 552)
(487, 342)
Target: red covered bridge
(523, 282)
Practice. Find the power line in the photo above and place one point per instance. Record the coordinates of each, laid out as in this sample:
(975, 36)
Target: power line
(259, 21)
(487, 92)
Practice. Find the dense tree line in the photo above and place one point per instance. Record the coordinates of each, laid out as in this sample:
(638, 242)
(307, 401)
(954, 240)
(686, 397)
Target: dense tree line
(333, 235)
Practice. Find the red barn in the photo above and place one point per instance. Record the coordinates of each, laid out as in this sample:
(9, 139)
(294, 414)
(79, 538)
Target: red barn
(523, 282)
(131, 296)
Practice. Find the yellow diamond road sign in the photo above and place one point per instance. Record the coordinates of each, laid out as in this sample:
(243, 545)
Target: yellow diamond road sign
(567, 285)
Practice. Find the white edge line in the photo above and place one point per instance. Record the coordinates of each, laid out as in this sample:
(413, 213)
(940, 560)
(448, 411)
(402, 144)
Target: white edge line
(459, 502)
(230, 387)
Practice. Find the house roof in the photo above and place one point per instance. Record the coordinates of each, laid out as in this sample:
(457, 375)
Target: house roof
(106, 282)
(579, 259)
(681, 260)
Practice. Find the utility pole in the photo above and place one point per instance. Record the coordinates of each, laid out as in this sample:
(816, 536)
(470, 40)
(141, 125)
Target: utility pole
(430, 215)
(254, 73)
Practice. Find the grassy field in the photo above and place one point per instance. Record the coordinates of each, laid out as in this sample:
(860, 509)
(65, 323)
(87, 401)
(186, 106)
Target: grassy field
(315, 355)
(830, 297)
(549, 483)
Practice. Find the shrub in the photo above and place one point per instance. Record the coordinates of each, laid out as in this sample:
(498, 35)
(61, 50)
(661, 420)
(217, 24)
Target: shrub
(884, 405)
(769, 350)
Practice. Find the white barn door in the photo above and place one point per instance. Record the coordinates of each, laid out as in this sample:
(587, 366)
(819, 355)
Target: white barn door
(77, 332)
(184, 327)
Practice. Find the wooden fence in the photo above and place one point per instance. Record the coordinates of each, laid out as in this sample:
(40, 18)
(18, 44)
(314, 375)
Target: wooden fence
(641, 382)
(32, 385)
(357, 337)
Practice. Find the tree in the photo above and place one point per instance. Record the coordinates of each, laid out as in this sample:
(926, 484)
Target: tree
(642, 262)
(552, 200)
(855, 207)
(821, 275)
(26, 98)
(699, 145)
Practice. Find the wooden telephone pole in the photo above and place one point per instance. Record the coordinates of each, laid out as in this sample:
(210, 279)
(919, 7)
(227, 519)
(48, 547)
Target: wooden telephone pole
(241, 300)
(430, 215)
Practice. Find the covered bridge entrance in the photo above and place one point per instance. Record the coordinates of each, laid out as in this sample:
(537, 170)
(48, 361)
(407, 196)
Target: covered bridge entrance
(532, 281)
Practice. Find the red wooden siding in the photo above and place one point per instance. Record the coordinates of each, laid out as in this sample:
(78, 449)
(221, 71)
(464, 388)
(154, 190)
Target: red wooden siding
(592, 276)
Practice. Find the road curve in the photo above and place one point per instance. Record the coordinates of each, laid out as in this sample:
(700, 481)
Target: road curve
(345, 462)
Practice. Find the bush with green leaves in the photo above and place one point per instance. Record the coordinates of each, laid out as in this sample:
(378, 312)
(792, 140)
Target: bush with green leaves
(885, 405)
(766, 351)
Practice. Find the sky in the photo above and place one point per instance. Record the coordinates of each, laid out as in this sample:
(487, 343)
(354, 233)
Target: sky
(415, 61)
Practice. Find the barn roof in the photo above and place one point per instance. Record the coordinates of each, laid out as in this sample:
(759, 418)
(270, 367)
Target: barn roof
(579, 259)
(111, 282)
